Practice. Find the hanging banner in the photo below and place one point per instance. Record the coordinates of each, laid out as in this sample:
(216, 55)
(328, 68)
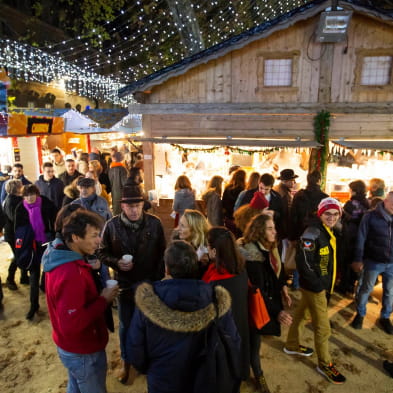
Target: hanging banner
(22, 125)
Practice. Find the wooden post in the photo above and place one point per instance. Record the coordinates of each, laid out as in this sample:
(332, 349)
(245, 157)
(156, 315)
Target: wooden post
(148, 155)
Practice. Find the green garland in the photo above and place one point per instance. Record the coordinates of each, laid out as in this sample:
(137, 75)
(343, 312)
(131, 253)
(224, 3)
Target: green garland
(230, 148)
(319, 156)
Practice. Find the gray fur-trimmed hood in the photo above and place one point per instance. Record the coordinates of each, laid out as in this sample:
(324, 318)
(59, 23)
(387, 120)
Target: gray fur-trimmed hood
(158, 312)
(250, 251)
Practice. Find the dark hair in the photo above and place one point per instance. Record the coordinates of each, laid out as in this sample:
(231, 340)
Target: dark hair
(30, 189)
(77, 222)
(47, 165)
(227, 253)
(255, 231)
(64, 212)
(17, 166)
(13, 186)
(314, 177)
(182, 182)
(359, 188)
(267, 179)
(181, 260)
(134, 174)
(55, 151)
(216, 183)
(69, 160)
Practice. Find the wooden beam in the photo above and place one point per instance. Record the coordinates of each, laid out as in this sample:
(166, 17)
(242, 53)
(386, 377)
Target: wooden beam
(259, 109)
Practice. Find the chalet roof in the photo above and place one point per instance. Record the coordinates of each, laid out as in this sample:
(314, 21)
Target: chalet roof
(239, 41)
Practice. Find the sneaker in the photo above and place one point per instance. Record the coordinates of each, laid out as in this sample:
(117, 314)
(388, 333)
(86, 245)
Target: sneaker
(302, 351)
(386, 325)
(261, 385)
(331, 373)
(388, 366)
(357, 323)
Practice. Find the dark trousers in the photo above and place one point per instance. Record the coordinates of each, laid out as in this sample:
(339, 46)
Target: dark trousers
(255, 346)
(125, 309)
(35, 271)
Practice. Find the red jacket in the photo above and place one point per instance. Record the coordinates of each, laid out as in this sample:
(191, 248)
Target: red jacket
(76, 310)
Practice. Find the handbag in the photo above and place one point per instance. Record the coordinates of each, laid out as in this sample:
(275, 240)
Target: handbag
(257, 311)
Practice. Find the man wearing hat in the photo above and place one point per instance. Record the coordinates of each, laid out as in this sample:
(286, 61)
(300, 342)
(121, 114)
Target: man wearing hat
(316, 263)
(117, 176)
(90, 200)
(138, 235)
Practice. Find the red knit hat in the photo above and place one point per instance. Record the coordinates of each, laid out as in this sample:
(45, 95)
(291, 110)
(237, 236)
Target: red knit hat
(327, 204)
(259, 201)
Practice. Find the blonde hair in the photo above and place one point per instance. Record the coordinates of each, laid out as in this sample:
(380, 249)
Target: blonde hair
(198, 227)
(96, 165)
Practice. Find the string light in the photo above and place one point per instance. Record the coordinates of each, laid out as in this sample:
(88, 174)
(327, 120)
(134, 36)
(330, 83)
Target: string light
(142, 40)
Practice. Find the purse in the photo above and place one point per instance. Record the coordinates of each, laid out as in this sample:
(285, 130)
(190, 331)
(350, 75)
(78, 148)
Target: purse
(257, 312)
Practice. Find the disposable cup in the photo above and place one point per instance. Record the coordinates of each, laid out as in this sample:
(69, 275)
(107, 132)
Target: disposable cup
(127, 257)
(111, 283)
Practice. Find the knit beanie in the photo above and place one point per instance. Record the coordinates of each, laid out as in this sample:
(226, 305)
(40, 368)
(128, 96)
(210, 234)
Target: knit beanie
(259, 201)
(327, 204)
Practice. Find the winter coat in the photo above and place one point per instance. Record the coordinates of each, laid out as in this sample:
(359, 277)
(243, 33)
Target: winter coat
(75, 307)
(213, 208)
(68, 179)
(9, 208)
(262, 275)
(229, 199)
(237, 286)
(353, 212)
(286, 202)
(146, 245)
(303, 210)
(52, 189)
(315, 259)
(375, 237)
(184, 199)
(98, 205)
(166, 329)
(48, 212)
(117, 176)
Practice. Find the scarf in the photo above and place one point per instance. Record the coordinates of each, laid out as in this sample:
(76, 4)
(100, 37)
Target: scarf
(133, 225)
(274, 259)
(116, 164)
(333, 243)
(88, 202)
(212, 274)
(35, 218)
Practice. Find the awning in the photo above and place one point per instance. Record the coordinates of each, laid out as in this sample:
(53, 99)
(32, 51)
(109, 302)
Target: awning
(233, 142)
(386, 145)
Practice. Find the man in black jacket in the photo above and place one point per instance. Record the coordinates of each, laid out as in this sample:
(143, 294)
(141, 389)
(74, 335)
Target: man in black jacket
(50, 186)
(70, 173)
(140, 235)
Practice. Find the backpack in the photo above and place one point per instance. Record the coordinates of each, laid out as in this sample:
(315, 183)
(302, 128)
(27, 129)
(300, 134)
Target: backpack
(25, 247)
(217, 361)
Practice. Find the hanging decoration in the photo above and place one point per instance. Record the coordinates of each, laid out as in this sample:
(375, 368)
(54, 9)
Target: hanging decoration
(319, 156)
(227, 149)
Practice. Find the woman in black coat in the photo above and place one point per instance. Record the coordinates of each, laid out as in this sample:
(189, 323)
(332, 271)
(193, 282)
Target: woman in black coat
(227, 269)
(264, 268)
(14, 197)
(37, 214)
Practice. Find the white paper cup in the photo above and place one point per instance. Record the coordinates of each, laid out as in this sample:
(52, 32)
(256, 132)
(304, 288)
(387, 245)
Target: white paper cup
(111, 283)
(127, 257)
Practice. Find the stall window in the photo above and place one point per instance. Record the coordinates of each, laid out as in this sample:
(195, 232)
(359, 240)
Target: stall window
(277, 72)
(376, 70)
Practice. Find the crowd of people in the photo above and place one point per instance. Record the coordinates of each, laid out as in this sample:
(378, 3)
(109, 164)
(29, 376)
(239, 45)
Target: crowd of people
(183, 306)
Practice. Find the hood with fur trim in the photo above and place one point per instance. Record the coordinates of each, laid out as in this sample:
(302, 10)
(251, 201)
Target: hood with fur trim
(191, 314)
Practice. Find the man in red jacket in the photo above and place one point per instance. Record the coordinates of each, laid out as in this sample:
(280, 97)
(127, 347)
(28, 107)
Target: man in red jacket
(75, 307)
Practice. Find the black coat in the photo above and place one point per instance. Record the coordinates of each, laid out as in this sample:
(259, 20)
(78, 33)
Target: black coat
(303, 210)
(229, 199)
(164, 337)
(237, 287)
(146, 245)
(52, 189)
(262, 275)
(10, 204)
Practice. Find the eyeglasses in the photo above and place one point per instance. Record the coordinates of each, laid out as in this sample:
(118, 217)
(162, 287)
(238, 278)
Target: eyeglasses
(327, 214)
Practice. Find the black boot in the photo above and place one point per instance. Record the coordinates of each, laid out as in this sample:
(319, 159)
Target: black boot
(32, 311)
(24, 278)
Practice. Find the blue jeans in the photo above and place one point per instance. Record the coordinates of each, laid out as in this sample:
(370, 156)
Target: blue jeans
(86, 372)
(369, 276)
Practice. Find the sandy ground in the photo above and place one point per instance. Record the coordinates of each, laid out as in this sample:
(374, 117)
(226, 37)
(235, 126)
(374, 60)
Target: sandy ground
(29, 362)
